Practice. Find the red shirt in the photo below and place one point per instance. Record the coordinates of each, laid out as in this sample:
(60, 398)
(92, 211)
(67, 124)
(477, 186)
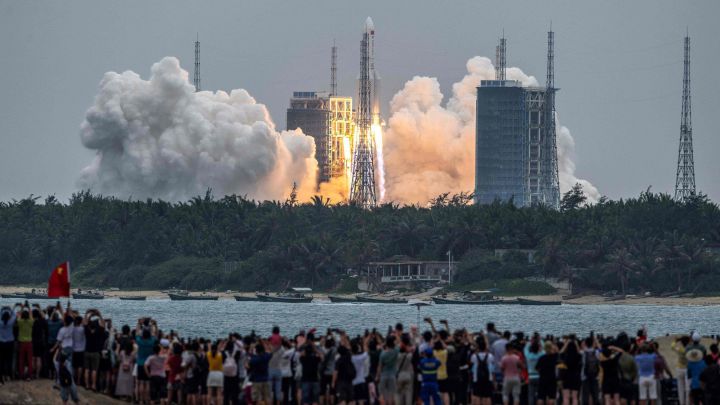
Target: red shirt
(174, 367)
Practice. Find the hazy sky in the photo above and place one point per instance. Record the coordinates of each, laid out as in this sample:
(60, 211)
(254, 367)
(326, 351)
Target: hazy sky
(618, 64)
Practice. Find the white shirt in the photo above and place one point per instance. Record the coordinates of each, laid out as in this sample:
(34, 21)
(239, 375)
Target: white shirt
(487, 358)
(78, 338)
(498, 350)
(65, 336)
(359, 361)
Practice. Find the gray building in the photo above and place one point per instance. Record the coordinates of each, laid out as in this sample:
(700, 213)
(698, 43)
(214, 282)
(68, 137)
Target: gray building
(310, 111)
(514, 144)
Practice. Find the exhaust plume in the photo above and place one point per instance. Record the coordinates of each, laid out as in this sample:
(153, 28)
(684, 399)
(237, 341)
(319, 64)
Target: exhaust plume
(430, 148)
(158, 138)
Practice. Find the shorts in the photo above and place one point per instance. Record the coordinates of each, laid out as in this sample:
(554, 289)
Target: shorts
(38, 349)
(444, 385)
(175, 385)
(511, 386)
(482, 389)
(610, 387)
(572, 382)
(547, 390)
(628, 390)
(387, 386)
(215, 379)
(261, 392)
(647, 388)
(325, 384)
(191, 386)
(157, 388)
(344, 391)
(92, 361)
(141, 374)
(360, 392)
(78, 359)
(310, 392)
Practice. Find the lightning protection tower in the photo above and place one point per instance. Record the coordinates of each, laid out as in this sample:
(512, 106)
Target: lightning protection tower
(333, 71)
(685, 176)
(550, 133)
(362, 186)
(196, 77)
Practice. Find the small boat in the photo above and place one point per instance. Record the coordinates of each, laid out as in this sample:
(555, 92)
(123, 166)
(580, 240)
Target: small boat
(87, 295)
(525, 301)
(483, 297)
(188, 297)
(15, 295)
(615, 298)
(35, 296)
(380, 300)
(133, 298)
(297, 296)
(338, 299)
(244, 298)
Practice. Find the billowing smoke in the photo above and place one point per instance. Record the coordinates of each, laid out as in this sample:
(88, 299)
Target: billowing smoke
(158, 138)
(430, 148)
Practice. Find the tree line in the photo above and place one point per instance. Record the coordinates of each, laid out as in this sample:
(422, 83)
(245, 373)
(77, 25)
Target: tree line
(649, 243)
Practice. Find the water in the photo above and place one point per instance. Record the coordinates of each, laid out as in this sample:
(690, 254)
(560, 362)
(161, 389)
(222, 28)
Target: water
(217, 318)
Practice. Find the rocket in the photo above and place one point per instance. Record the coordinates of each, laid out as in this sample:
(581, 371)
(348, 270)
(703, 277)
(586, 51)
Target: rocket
(374, 78)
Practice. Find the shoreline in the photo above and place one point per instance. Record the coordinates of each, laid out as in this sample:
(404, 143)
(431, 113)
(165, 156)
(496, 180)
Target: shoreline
(583, 300)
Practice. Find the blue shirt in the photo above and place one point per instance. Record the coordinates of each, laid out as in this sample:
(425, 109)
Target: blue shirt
(145, 349)
(429, 368)
(53, 329)
(646, 364)
(6, 329)
(531, 360)
(259, 364)
(694, 369)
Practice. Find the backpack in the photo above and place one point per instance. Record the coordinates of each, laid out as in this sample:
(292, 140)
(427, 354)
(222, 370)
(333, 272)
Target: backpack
(482, 374)
(65, 376)
(230, 367)
(592, 365)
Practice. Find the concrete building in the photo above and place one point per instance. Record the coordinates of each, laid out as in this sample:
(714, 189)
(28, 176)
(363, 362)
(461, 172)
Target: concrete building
(330, 121)
(514, 146)
(405, 272)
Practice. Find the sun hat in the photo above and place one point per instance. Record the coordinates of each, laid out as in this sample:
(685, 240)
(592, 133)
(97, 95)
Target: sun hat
(694, 355)
(695, 337)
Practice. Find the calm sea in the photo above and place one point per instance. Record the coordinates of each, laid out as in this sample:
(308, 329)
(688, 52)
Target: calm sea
(217, 318)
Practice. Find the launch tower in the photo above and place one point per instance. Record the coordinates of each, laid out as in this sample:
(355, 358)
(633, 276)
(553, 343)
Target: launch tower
(362, 186)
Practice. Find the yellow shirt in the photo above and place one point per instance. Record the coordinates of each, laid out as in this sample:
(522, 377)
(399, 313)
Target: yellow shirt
(25, 330)
(442, 370)
(215, 363)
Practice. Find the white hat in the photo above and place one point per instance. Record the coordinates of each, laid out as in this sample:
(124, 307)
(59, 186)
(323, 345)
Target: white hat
(164, 342)
(695, 337)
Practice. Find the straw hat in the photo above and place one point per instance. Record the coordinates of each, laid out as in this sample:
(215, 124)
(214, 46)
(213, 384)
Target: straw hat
(694, 355)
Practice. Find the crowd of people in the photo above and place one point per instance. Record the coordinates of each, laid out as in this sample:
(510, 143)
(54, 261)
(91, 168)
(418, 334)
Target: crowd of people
(144, 364)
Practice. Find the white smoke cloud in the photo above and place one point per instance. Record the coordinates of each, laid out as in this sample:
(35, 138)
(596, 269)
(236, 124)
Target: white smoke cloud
(158, 138)
(430, 148)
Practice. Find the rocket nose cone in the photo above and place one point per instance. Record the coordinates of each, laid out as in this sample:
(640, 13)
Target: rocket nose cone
(369, 26)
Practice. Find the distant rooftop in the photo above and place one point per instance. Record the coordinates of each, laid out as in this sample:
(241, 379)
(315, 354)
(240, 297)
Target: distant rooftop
(500, 83)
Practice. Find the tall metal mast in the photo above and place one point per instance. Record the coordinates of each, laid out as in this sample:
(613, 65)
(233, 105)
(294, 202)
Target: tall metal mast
(500, 58)
(551, 135)
(333, 71)
(362, 189)
(685, 176)
(196, 77)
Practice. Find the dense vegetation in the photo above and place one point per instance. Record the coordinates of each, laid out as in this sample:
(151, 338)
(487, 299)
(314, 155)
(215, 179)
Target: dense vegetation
(649, 243)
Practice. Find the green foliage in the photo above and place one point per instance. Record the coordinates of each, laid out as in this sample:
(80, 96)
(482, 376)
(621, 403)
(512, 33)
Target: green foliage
(649, 243)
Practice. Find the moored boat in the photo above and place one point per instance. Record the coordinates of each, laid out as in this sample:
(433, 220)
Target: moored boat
(15, 295)
(87, 296)
(133, 298)
(245, 298)
(297, 295)
(190, 297)
(380, 300)
(338, 299)
(525, 301)
(441, 300)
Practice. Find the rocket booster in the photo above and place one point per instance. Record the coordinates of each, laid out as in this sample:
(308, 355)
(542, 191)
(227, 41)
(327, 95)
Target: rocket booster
(375, 112)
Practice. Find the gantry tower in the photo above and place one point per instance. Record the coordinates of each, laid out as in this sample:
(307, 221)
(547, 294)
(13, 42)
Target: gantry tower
(685, 176)
(362, 187)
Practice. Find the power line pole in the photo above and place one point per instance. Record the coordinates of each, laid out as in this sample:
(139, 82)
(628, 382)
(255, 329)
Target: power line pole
(685, 176)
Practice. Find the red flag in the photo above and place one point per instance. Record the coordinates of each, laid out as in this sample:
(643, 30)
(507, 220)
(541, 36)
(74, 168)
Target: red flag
(59, 282)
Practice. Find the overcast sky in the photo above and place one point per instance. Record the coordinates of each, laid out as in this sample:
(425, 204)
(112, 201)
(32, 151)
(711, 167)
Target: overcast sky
(618, 64)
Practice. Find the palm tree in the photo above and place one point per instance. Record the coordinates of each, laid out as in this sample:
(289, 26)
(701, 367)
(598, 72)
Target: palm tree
(621, 264)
